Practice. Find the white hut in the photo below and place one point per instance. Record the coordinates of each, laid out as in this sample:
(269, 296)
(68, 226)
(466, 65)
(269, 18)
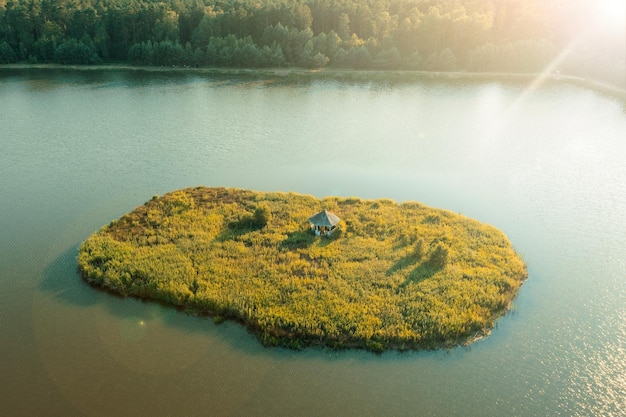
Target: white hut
(324, 223)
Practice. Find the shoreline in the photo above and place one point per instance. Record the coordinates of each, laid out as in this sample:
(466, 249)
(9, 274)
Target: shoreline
(387, 279)
(341, 74)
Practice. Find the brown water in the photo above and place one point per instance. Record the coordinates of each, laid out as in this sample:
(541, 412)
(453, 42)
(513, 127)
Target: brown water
(78, 149)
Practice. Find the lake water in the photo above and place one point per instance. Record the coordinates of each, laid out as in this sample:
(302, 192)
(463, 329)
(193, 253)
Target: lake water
(78, 149)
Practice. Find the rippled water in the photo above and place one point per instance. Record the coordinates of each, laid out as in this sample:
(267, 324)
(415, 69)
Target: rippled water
(78, 149)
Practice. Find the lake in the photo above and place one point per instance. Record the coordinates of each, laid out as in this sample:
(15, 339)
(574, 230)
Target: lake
(80, 148)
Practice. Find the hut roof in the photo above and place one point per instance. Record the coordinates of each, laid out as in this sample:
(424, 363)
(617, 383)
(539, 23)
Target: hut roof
(324, 218)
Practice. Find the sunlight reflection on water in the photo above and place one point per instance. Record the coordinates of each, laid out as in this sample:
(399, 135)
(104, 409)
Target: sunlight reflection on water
(550, 175)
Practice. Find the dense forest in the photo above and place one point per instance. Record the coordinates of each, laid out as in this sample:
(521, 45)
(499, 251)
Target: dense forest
(432, 35)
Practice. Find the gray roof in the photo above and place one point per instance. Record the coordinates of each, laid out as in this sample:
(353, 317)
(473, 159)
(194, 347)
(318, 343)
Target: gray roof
(324, 218)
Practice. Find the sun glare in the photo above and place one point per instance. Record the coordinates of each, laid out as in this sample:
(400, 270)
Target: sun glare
(610, 13)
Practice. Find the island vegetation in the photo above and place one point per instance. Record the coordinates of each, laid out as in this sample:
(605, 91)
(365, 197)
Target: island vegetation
(428, 35)
(390, 276)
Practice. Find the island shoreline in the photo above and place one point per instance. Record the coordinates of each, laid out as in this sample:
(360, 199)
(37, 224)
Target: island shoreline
(423, 279)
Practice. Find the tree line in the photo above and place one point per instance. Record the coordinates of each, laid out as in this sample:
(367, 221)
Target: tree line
(436, 35)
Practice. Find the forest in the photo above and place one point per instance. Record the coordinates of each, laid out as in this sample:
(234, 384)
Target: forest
(429, 35)
(392, 276)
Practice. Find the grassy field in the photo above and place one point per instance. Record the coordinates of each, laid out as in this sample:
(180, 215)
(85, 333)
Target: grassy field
(393, 276)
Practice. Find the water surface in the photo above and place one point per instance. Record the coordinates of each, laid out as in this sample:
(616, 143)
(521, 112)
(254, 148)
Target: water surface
(78, 149)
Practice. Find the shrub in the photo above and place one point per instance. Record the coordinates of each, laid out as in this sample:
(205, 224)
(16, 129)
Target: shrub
(418, 250)
(262, 215)
(75, 52)
(438, 257)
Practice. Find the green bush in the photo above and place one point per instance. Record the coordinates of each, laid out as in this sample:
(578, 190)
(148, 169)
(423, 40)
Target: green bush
(439, 257)
(75, 52)
(262, 215)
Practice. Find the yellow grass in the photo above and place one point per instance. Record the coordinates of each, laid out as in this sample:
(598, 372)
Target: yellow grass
(394, 276)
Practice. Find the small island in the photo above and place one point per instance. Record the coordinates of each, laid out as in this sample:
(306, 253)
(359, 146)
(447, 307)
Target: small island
(299, 271)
